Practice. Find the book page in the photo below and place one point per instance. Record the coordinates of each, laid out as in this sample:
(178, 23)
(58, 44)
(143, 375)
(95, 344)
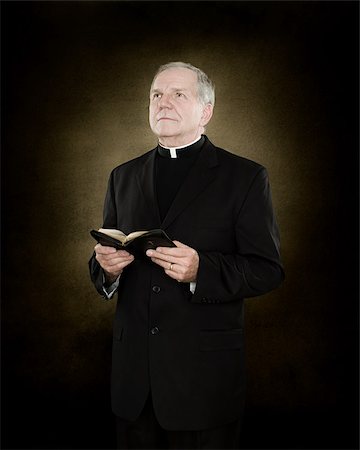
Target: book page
(116, 234)
(134, 235)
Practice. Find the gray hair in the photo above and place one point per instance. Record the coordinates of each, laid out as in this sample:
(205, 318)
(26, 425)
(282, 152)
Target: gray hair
(206, 88)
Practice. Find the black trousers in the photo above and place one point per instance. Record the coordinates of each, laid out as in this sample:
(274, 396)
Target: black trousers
(146, 433)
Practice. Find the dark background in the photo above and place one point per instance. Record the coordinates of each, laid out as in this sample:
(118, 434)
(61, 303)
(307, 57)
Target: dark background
(75, 80)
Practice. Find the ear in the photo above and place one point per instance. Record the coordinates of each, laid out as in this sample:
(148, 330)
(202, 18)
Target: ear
(207, 114)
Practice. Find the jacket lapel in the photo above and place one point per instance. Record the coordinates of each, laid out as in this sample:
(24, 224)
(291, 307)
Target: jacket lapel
(202, 173)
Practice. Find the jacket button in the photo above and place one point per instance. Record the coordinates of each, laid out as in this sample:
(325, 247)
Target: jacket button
(156, 289)
(154, 330)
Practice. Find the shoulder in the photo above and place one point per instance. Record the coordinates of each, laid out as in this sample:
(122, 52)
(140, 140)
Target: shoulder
(133, 164)
(239, 161)
(234, 162)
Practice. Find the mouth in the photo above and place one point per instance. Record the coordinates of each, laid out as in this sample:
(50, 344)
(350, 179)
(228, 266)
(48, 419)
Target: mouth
(166, 118)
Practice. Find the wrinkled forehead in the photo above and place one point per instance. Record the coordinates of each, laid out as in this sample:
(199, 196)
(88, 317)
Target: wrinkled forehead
(179, 77)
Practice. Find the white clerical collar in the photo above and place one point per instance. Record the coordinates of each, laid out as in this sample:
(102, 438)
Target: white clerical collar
(172, 150)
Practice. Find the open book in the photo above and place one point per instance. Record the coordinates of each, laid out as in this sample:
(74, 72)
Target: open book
(136, 242)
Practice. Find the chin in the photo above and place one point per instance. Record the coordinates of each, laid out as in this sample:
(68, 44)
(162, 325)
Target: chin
(166, 131)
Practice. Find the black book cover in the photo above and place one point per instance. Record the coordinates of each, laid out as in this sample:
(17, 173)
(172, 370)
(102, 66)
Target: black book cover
(137, 246)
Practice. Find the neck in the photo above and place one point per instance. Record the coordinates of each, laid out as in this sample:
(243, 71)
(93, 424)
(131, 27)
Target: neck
(175, 142)
(179, 146)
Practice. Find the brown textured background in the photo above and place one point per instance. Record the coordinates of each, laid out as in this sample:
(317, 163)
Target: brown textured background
(75, 80)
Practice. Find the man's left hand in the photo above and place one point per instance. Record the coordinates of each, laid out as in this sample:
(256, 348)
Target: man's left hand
(181, 262)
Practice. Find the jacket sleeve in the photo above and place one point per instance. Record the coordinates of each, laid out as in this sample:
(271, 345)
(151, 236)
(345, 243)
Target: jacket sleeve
(109, 221)
(96, 275)
(255, 267)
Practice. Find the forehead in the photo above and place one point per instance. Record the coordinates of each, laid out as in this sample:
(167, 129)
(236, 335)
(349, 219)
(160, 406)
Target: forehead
(176, 77)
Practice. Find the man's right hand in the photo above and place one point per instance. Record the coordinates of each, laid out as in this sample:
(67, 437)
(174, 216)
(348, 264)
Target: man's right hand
(112, 261)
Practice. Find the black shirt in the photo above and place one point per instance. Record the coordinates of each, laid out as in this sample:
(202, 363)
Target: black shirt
(171, 172)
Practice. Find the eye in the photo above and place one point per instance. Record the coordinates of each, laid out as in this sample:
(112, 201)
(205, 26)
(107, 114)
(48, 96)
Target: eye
(156, 95)
(180, 94)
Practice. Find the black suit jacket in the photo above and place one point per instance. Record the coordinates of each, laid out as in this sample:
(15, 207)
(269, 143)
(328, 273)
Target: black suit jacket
(189, 349)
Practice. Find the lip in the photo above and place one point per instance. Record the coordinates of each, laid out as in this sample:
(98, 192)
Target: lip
(166, 118)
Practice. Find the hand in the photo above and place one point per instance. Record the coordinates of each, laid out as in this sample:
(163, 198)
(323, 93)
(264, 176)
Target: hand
(112, 261)
(181, 262)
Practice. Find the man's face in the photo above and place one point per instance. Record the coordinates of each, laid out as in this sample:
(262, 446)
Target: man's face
(176, 115)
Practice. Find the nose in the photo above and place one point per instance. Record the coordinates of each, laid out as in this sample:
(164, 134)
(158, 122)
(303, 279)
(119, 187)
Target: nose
(165, 101)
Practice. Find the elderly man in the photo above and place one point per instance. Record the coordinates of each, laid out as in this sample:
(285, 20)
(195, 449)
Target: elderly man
(178, 357)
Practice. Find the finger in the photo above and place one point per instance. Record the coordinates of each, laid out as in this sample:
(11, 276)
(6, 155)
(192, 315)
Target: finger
(162, 263)
(104, 249)
(116, 261)
(178, 276)
(165, 252)
(116, 268)
(165, 261)
(106, 259)
(173, 275)
(110, 251)
(124, 253)
(156, 254)
(113, 259)
(180, 250)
